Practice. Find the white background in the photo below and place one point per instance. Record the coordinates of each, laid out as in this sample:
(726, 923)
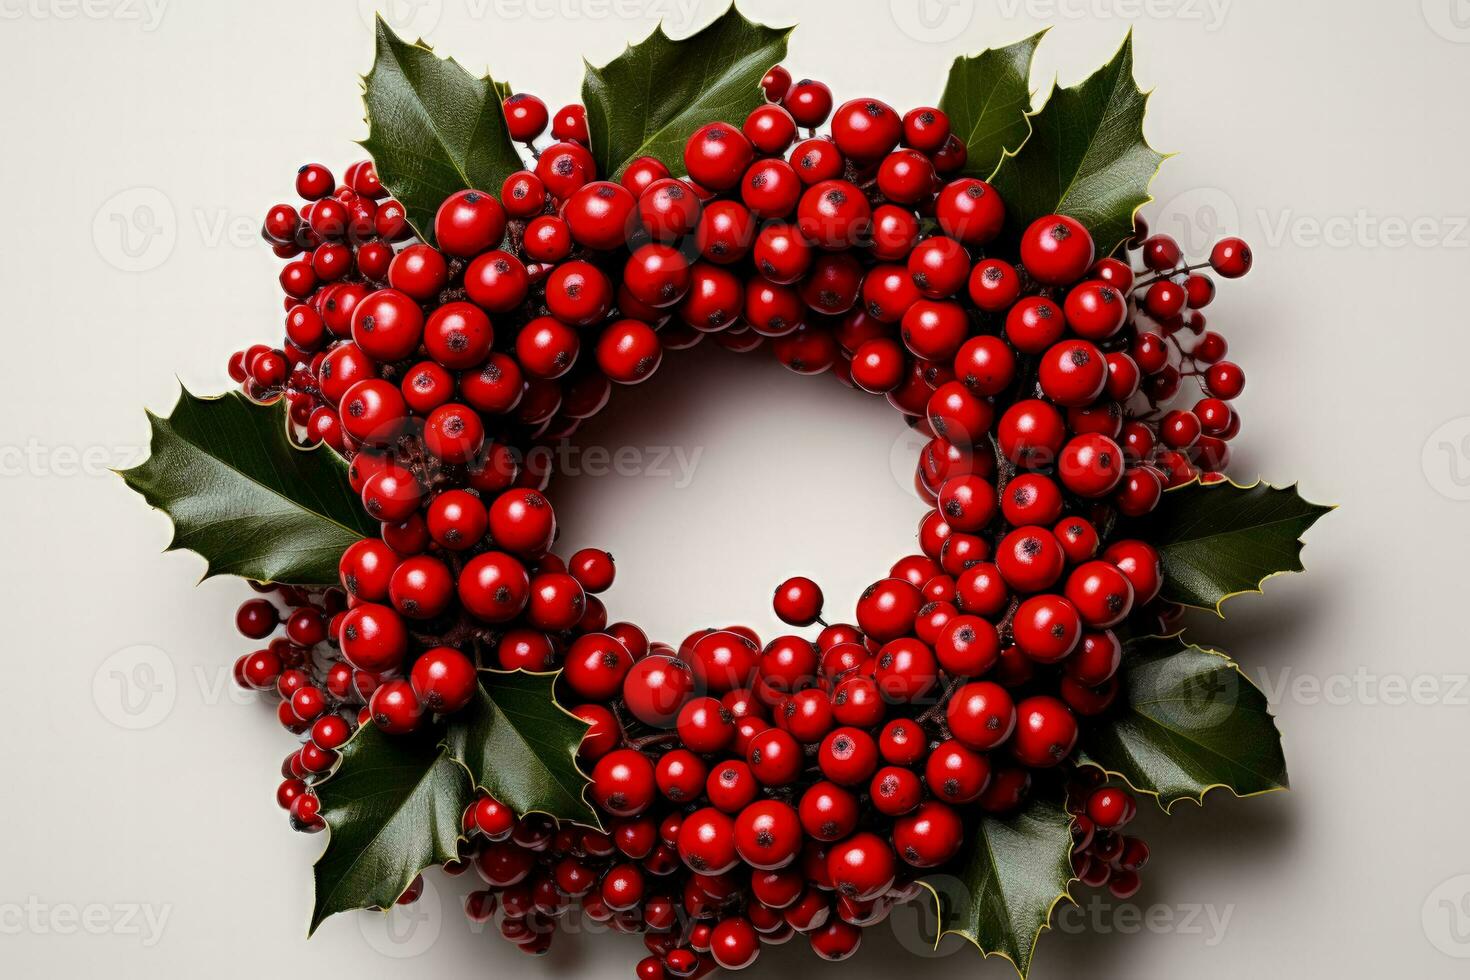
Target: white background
(1318, 130)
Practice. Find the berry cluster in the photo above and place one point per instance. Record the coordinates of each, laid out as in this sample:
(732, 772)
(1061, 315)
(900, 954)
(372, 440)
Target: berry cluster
(751, 790)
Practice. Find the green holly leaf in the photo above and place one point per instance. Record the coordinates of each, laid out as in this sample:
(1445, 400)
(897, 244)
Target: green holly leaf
(986, 98)
(520, 746)
(1010, 874)
(1189, 721)
(393, 807)
(1218, 540)
(649, 99)
(1086, 157)
(244, 496)
(433, 128)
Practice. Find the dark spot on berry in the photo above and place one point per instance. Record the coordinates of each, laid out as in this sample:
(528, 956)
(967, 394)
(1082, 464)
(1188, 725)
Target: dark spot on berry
(616, 801)
(573, 289)
(829, 297)
(1058, 630)
(502, 594)
(975, 191)
(921, 279)
(453, 535)
(767, 267)
(836, 197)
(716, 135)
(729, 775)
(606, 191)
(490, 373)
(875, 309)
(1079, 357)
(675, 793)
(645, 365)
(1043, 312)
(911, 855)
(873, 109)
(501, 266)
(764, 838)
(534, 500)
(953, 508)
(1030, 547)
(951, 787)
(842, 745)
(992, 723)
(718, 247)
(993, 274)
(519, 191)
(1115, 602)
(350, 630)
(829, 828)
(758, 181)
(367, 322)
(888, 785)
(1059, 232)
(563, 166)
(966, 634)
(356, 408)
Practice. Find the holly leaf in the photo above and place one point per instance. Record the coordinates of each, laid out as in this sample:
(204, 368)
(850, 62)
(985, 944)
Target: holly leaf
(1007, 878)
(394, 807)
(1087, 156)
(1190, 722)
(244, 496)
(648, 100)
(986, 98)
(433, 128)
(1218, 540)
(520, 746)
